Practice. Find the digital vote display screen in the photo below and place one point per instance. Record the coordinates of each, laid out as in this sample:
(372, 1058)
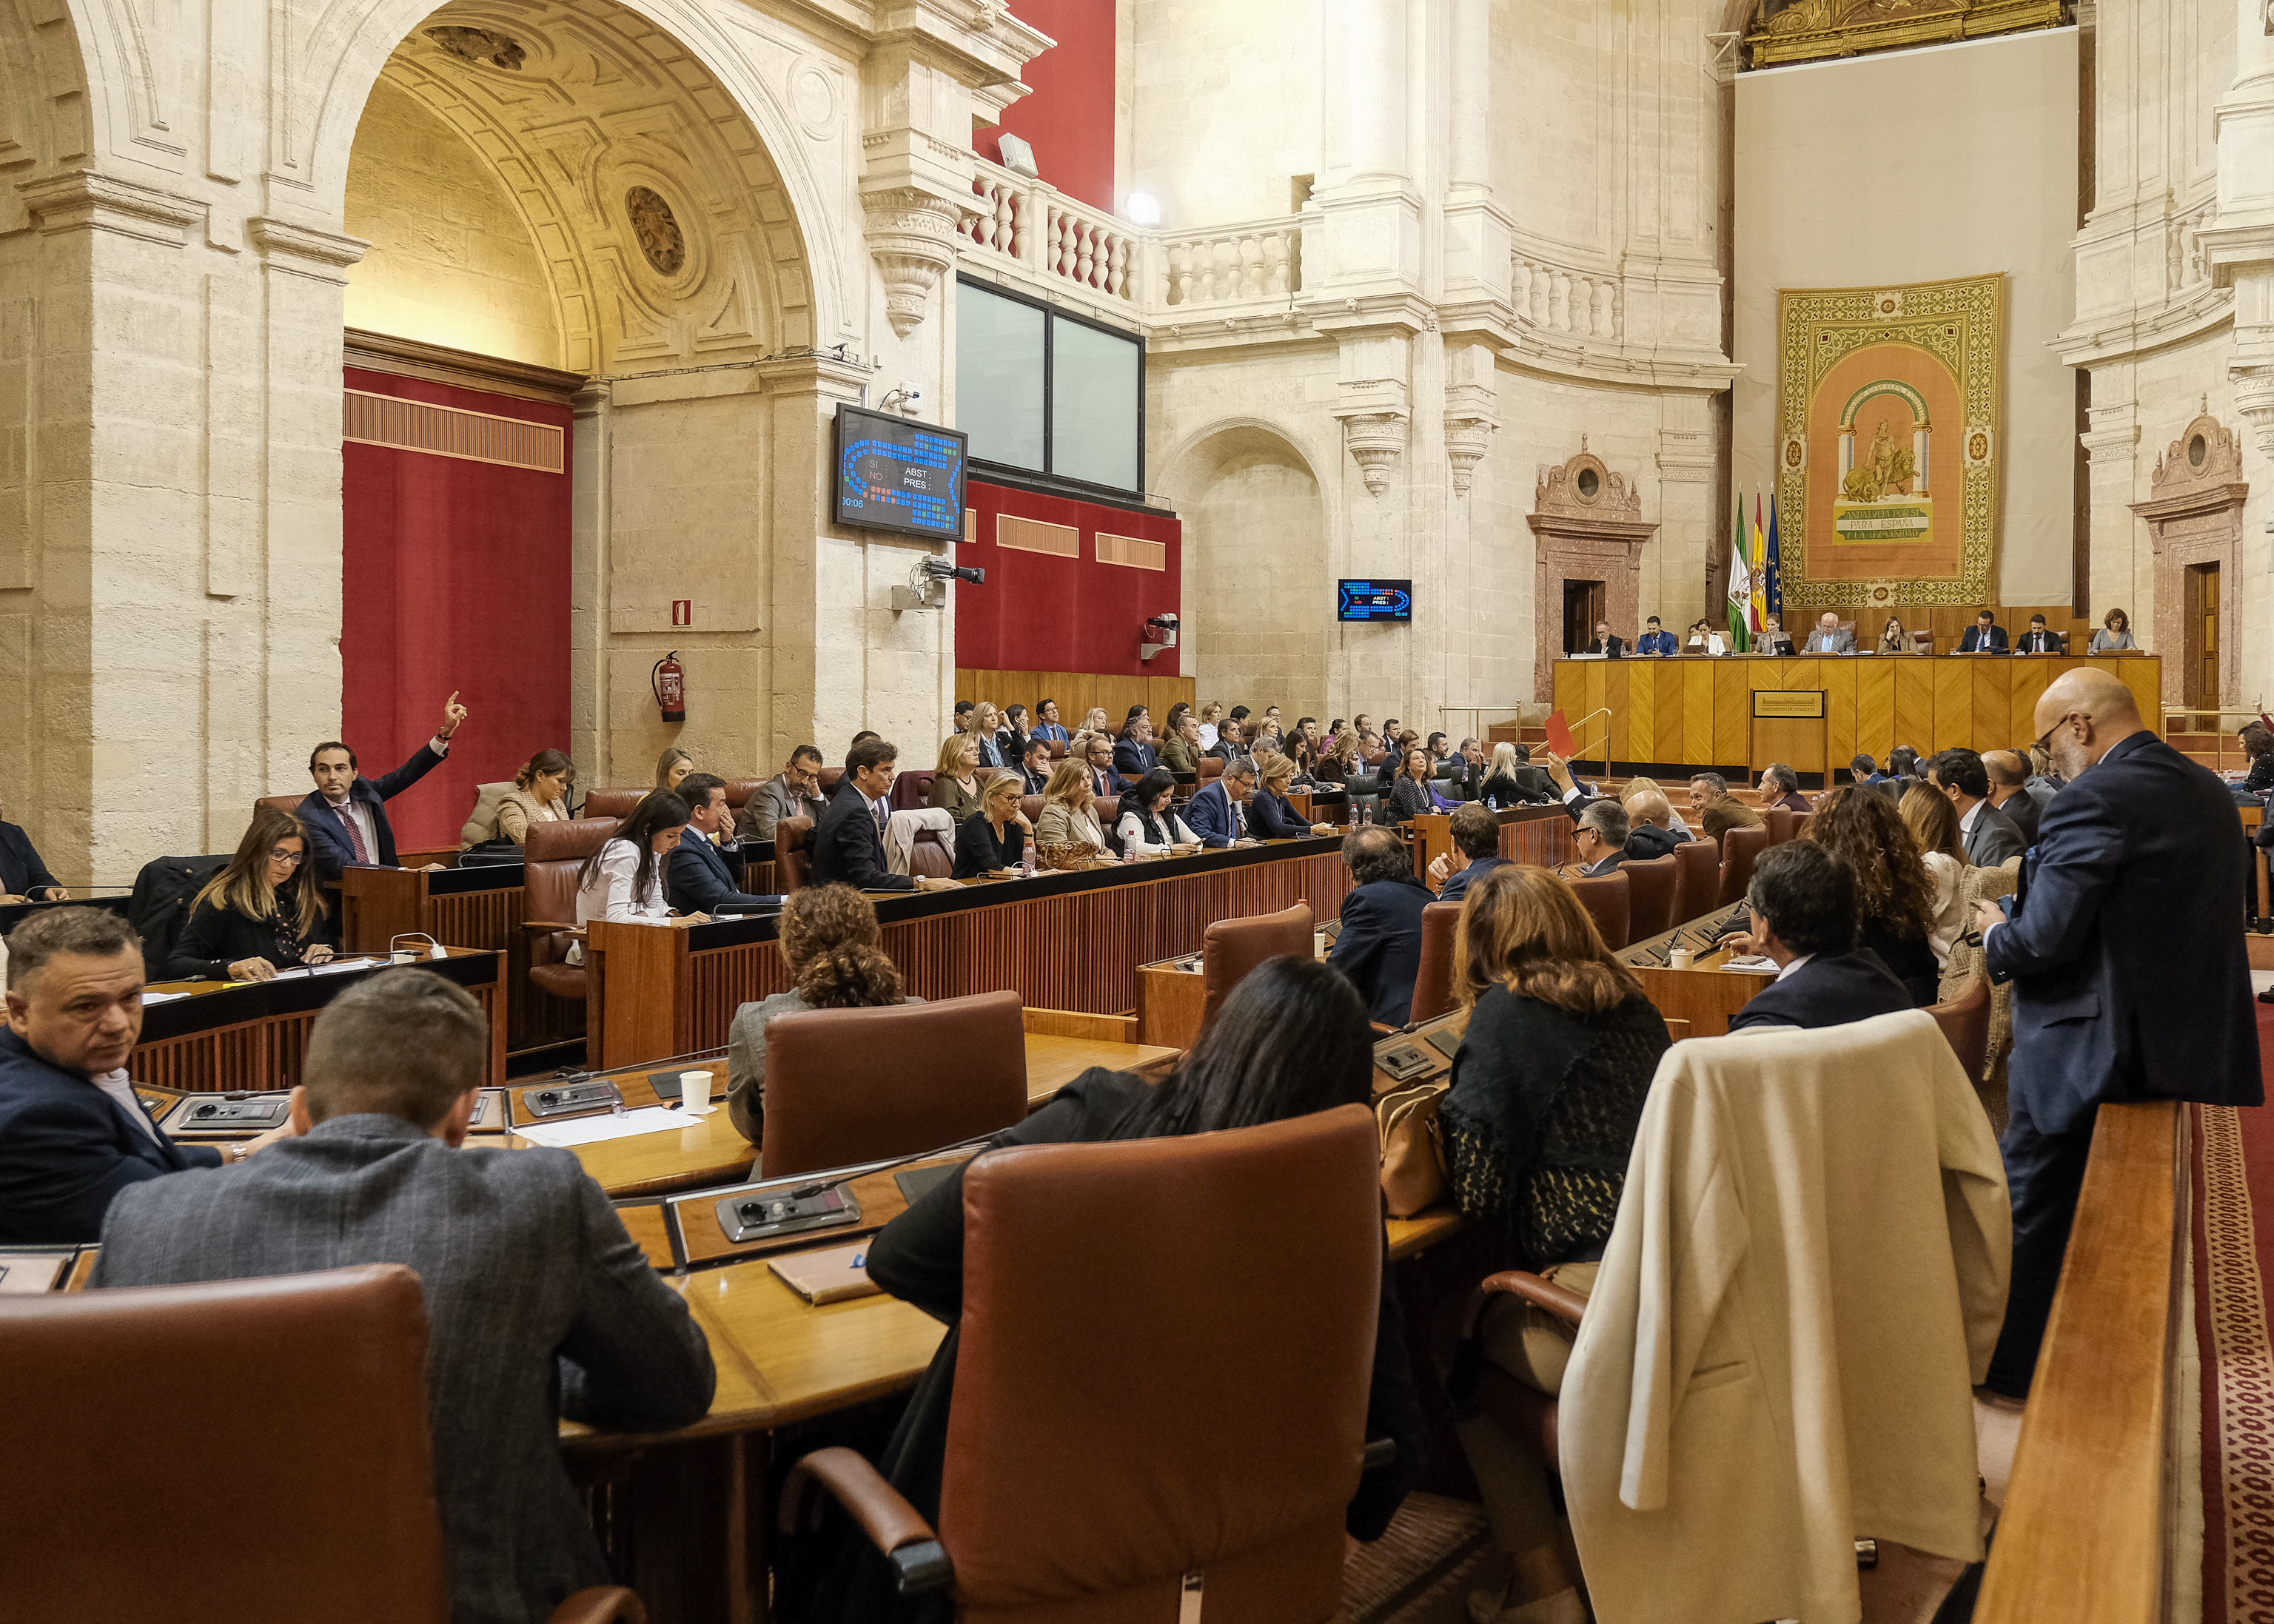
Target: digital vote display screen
(1375, 600)
(896, 475)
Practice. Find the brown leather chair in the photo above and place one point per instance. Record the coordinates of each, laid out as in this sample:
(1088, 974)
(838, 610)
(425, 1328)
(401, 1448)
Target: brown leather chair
(931, 856)
(283, 803)
(1433, 982)
(847, 1086)
(828, 778)
(1696, 879)
(738, 791)
(1607, 900)
(1207, 1258)
(1965, 1021)
(551, 859)
(1800, 822)
(91, 1433)
(1779, 820)
(1030, 808)
(1058, 750)
(611, 803)
(1211, 767)
(791, 855)
(911, 790)
(1229, 948)
(1649, 896)
(1740, 850)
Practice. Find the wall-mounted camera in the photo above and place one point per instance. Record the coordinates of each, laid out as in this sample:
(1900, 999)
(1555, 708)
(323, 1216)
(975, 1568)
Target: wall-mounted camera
(1160, 633)
(927, 587)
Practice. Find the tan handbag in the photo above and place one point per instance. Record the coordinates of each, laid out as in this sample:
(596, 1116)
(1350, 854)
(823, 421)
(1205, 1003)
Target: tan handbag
(1412, 1147)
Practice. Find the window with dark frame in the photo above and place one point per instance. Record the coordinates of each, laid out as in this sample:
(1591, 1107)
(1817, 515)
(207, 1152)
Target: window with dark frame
(1043, 393)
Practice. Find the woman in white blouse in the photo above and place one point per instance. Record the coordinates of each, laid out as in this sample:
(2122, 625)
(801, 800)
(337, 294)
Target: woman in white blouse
(1934, 823)
(622, 882)
(1145, 825)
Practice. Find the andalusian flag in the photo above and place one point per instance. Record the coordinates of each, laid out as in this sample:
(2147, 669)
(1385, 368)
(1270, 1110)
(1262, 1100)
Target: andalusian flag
(1741, 584)
(1760, 560)
(1774, 567)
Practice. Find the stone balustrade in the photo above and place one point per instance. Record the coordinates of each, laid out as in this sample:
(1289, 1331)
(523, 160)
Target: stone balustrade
(1560, 299)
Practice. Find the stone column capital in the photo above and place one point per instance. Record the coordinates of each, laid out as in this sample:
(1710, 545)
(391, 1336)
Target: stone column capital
(84, 200)
(323, 256)
(912, 235)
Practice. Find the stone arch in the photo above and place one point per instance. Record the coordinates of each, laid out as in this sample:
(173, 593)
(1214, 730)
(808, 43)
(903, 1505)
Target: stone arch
(1257, 523)
(739, 134)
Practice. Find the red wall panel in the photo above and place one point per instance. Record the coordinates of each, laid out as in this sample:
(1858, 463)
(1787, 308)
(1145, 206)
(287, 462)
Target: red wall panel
(1041, 612)
(1068, 120)
(455, 575)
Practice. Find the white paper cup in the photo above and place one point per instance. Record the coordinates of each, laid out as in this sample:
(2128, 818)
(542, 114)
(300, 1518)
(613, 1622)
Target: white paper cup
(695, 1093)
(1682, 958)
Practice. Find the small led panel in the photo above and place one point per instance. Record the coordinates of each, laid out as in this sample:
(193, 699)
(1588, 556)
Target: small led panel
(893, 474)
(1374, 600)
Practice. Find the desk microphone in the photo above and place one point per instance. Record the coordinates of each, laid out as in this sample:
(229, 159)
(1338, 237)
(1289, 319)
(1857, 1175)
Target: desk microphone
(758, 1214)
(807, 1192)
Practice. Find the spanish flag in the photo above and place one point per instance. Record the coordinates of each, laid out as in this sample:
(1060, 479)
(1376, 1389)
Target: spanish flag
(1759, 572)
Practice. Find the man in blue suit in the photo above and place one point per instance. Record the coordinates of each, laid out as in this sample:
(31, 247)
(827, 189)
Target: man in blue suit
(1379, 946)
(73, 1133)
(1218, 813)
(347, 814)
(699, 878)
(1133, 753)
(2130, 979)
(1656, 639)
(1985, 636)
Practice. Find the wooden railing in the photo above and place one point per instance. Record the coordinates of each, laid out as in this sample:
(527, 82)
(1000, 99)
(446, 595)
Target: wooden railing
(2087, 1533)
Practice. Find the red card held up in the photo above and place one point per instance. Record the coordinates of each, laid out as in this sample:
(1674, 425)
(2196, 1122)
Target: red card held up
(1559, 734)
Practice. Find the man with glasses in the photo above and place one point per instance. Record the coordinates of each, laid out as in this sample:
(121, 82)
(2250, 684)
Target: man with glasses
(2130, 979)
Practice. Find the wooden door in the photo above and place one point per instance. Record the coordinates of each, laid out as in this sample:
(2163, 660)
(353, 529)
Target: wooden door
(2199, 611)
(1583, 606)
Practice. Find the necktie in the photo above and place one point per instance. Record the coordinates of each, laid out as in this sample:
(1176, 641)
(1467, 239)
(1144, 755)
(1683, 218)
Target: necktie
(355, 835)
(878, 808)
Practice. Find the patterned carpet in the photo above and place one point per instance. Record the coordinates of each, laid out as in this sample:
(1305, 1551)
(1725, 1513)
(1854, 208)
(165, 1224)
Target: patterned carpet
(1422, 1570)
(2234, 1225)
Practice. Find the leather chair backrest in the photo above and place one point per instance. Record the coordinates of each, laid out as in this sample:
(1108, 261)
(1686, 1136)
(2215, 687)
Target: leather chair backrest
(1649, 896)
(283, 803)
(97, 1429)
(1607, 899)
(1696, 878)
(611, 803)
(738, 791)
(1433, 982)
(551, 859)
(1779, 820)
(1211, 767)
(1175, 1274)
(911, 790)
(931, 856)
(1741, 848)
(847, 1086)
(828, 778)
(1965, 1021)
(791, 855)
(1229, 948)
(1058, 750)
(1800, 822)
(1030, 808)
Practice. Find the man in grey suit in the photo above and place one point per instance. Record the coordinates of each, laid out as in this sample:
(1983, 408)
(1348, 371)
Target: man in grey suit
(793, 792)
(1827, 638)
(1989, 835)
(538, 1303)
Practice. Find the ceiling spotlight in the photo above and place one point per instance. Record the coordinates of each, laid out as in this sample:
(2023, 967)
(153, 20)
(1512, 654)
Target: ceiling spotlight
(1143, 208)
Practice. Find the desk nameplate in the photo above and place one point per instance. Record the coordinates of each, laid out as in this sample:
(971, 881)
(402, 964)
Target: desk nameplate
(1788, 705)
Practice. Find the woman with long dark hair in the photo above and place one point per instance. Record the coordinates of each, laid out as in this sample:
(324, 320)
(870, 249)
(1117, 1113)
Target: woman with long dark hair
(262, 913)
(1894, 894)
(1411, 791)
(622, 882)
(1145, 825)
(1548, 1086)
(1291, 1038)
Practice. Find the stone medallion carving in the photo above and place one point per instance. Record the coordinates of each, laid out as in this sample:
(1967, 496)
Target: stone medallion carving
(481, 46)
(657, 228)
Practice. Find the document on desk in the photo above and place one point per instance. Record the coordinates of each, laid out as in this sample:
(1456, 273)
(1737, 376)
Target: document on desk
(600, 1130)
(150, 998)
(334, 968)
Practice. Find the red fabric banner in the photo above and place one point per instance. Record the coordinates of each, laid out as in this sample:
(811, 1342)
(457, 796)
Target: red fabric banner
(1040, 611)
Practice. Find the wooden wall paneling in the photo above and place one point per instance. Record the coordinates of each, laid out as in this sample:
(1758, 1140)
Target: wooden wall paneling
(1591, 734)
(2144, 676)
(639, 989)
(1951, 722)
(1840, 679)
(1732, 714)
(1569, 688)
(1639, 734)
(1875, 708)
(1915, 705)
(2028, 679)
(1992, 706)
(1673, 681)
(1697, 680)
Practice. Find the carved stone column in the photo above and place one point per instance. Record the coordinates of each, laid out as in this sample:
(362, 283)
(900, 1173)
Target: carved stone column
(2195, 517)
(1588, 525)
(911, 235)
(1376, 441)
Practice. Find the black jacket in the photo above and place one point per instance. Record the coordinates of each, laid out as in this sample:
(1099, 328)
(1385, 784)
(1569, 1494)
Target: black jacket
(1994, 837)
(2021, 811)
(697, 878)
(1827, 992)
(847, 848)
(978, 852)
(218, 936)
(22, 874)
(1529, 787)
(333, 851)
(918, 1258)
(66, 1148)
(1380, 947)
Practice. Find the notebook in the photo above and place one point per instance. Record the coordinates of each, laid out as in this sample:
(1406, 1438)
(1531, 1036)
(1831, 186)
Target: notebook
(831, 1277)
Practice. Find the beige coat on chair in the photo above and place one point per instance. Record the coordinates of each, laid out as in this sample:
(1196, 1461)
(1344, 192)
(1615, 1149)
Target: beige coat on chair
(1804, 1284)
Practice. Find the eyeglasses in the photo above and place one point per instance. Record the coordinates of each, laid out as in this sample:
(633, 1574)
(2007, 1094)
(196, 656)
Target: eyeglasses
(278, 854)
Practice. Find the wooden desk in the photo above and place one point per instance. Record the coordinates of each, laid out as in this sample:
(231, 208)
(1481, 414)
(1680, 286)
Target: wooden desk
(1061, 941)
(1704, 996)
(1697, 711)
(1540, 835)
(222, 1035)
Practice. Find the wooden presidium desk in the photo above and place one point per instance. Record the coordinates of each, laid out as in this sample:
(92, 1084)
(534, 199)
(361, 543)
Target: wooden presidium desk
(1697, 711)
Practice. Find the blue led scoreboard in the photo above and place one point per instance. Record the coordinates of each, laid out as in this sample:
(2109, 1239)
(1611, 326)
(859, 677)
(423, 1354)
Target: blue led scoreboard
(893, 474)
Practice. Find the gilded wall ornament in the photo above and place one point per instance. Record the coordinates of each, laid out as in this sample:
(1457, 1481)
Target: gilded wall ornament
(657, 230)
(480, 46)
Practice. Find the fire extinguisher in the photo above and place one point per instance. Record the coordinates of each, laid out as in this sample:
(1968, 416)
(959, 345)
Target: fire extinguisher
(669, 681)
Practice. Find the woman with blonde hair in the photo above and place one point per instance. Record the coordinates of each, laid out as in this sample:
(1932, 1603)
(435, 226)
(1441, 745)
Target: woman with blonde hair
(1211, 714)
(672, 765)
(993, 839)
(1548, 1091)
(829, 937)
(1069, 816)
(1933, 823)
(1269, 812)
(262, 913)
(955, 786)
